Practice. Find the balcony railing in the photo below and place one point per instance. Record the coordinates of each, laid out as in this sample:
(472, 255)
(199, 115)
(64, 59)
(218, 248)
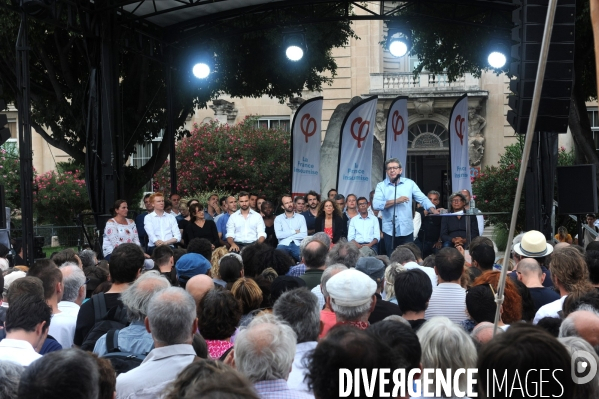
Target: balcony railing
(406, 80)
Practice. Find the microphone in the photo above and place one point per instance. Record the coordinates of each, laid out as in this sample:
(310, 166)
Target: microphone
(396, 178)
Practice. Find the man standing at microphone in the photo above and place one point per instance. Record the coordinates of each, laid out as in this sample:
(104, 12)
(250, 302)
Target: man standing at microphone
(393, 196)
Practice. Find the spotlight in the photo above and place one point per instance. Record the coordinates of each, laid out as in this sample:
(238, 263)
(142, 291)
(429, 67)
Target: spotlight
(498, 55)
(399, 41)
(201, 70)
(294, 53)
(295, 45)
(497, 60)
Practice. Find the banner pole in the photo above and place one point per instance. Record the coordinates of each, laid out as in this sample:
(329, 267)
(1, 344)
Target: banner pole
(534, 109)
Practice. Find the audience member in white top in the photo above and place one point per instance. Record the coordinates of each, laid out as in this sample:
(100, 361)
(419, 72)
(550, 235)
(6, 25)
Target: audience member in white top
(406, 258)
(570, 275)
(175, 200)
(448, 298)
(63, 329)
(245, 226)
(299, 308)
(27, 322)
(172, 322)
(63, 324)
(161, 228)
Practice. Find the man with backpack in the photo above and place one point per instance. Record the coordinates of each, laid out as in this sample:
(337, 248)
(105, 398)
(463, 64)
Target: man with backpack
(126, 262)
(134, 339)
(172, 321)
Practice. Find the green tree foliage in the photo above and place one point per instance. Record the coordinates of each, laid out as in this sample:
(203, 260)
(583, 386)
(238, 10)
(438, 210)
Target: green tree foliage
(230, 159)
(10, 175)
(495, 186)
(248, 63)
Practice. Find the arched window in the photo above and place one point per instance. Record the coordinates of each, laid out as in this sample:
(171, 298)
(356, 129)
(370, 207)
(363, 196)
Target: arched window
(427, 136)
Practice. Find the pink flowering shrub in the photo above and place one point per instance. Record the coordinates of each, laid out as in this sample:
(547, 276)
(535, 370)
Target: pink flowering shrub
(59, 197)
(230, 158)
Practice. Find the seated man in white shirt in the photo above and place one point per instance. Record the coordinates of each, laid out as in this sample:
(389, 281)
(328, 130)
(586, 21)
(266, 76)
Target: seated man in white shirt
(161, 227)
(245, 226)
(172, 322)
(290, 228)
(27, 322)
(364, 230)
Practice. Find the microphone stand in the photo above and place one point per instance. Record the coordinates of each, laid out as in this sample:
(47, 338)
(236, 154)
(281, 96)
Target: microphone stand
(394, 205)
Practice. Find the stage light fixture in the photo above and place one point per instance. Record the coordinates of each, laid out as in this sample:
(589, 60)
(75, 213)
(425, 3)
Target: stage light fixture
(295, 45)
(201, 70)
(399, 41)
(498, 55)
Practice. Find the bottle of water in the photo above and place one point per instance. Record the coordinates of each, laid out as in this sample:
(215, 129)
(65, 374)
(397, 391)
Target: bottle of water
(472, 206)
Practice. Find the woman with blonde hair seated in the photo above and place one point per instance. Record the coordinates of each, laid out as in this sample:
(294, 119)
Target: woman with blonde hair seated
(217, 255)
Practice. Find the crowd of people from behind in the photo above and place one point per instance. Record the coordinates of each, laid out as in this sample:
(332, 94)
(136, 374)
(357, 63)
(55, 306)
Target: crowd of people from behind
(177, 311)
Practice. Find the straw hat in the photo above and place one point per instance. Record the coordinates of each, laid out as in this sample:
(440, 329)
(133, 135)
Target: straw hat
(533, 245)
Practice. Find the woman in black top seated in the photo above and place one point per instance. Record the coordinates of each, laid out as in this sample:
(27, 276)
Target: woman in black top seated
(199, 227)
(453, 228)
(330, 220)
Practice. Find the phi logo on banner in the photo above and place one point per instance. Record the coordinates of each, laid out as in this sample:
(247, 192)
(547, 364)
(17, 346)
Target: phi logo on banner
(358, 136)
(459, 128)
(395, 122)
(308, 126)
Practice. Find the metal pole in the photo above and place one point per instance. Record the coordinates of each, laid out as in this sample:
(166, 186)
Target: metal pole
(25, 146)
(170, 125)
(534, 109)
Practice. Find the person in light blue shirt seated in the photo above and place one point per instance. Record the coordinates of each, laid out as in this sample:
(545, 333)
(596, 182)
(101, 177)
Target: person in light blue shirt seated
(290, 228)
(135, 338)
(364, 231)
(221, 223)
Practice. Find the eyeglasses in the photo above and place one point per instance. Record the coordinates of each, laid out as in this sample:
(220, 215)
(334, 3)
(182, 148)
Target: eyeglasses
(363, 204)
(87, 280)
(393, 167)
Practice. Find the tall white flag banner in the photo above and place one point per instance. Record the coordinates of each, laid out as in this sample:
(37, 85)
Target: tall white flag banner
(305, 147)
(355, 149)
(396, 139)
(458, 146)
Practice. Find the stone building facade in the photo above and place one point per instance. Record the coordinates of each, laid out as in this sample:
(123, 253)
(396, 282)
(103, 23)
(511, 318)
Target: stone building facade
(365, 68)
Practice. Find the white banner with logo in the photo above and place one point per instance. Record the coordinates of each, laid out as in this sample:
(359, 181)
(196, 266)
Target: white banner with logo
(305, 147)
(458, 146)
(396, 139)
(355, 149)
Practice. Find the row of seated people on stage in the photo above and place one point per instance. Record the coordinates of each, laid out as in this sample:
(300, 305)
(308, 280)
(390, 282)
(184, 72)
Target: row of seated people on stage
(209, 322)
(237, 222)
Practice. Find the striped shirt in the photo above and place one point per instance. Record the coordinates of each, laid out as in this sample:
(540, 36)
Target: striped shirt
(449, 300)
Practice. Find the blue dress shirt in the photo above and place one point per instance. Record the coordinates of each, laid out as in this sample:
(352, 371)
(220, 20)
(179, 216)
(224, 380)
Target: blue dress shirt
(385, 191)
